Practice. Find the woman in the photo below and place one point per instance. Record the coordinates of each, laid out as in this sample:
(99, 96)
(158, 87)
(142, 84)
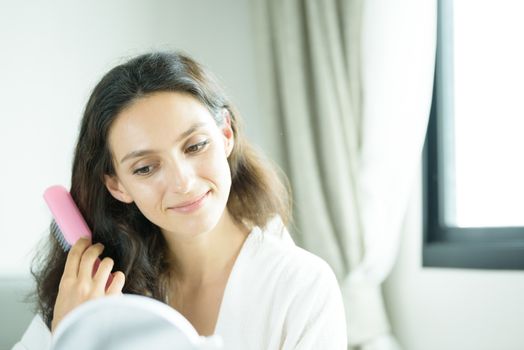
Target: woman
(180, 205)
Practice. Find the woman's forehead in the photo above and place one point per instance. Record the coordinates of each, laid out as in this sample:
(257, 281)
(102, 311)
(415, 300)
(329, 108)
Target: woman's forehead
(158, 119)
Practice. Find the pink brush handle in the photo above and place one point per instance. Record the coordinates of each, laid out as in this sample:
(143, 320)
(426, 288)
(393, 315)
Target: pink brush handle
(66, 214)
(68, 218)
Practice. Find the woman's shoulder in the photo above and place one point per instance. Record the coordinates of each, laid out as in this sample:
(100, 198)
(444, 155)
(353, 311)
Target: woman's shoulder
(279, 296)
(274, 250)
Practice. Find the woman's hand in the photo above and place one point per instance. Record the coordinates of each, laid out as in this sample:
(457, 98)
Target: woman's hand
(80, 283)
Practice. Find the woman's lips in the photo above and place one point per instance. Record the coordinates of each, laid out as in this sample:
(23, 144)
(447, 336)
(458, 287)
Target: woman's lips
(191, 205)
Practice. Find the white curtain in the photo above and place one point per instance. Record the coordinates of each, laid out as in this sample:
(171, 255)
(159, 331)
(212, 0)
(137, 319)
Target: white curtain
(352, 83)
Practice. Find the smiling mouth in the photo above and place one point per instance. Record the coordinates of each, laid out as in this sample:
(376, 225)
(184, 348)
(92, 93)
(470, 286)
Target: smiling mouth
(191, 205)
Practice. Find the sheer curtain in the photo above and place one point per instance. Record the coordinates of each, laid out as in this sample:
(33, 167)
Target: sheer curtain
(351, 83)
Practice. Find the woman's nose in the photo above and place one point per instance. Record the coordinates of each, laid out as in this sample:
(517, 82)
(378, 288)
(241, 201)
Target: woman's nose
(180, 177)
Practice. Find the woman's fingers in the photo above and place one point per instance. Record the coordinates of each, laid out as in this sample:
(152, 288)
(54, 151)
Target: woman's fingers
(103, 272)
(85, 270)
(74, 257)
(117, 284)
(85, 277)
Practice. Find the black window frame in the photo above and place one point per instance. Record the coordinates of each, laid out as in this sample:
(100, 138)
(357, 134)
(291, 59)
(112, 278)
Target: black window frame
(500, 248)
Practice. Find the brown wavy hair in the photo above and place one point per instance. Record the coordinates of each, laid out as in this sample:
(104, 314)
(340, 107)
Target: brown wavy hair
(258, 190)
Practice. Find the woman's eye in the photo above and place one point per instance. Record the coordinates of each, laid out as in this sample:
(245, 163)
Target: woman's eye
(197, 147)
(145, 170)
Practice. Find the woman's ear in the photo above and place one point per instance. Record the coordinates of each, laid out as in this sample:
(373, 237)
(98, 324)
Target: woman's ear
(227, 131)
(116, 189)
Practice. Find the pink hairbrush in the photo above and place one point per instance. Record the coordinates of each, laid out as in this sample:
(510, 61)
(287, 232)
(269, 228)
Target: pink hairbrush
(68, 224)
(67, 217)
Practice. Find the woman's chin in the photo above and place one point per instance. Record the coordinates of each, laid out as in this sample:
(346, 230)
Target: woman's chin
(191, 227)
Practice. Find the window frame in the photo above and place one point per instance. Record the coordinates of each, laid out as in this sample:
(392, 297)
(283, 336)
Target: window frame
(447, 246)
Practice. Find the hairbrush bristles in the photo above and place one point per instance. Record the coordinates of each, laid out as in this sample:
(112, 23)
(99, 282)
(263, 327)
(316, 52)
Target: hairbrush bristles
(59, 236)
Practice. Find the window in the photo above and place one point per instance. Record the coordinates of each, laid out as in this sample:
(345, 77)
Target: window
(474, 153)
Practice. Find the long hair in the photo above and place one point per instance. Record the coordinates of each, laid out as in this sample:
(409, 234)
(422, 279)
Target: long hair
(258, 192)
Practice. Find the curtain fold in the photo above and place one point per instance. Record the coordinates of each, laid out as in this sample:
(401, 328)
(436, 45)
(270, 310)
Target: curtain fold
(351, 81)
(310, 91)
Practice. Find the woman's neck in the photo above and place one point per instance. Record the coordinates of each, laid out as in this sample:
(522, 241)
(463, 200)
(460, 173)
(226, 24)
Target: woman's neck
(205, 258)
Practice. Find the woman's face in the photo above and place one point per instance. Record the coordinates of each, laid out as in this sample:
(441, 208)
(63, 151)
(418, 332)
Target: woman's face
(170, 158)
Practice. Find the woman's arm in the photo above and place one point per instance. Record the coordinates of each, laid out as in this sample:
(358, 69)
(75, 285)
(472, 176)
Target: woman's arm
(36, 337)
(79, 284)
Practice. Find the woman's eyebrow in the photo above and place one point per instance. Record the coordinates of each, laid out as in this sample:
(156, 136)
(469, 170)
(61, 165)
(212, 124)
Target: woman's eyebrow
(189, 131)
(183, 135)
(136, 154)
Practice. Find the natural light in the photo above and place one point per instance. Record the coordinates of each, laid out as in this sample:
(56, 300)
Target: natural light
(489, 113)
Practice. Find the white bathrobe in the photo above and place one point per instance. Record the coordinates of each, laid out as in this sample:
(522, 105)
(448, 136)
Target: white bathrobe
(278, 296)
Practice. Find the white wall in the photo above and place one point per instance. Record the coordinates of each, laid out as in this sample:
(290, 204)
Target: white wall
(52, 55)
(452, 309)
